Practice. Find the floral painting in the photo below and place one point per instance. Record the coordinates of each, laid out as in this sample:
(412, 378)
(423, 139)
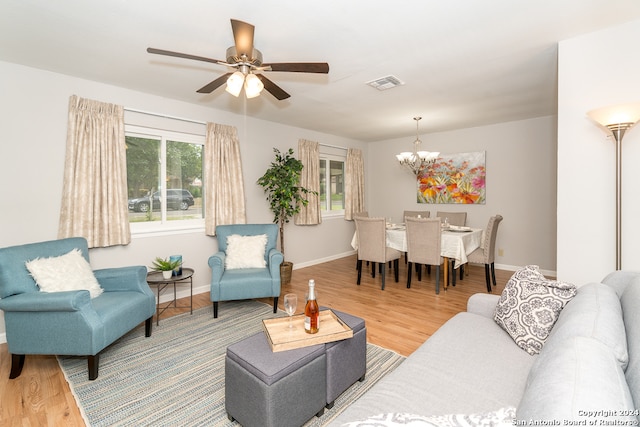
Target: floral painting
(454, 178)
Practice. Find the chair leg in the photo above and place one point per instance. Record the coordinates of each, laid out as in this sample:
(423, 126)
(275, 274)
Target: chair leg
(396, 267)
(382, 274)
(373, 270)
(215, 309)
(148, 326)
(419, 271)
(17, 362)
(437, 279)
(493, 273)
(92, 364)
(453, 273)
(275, 304)
(409, 275)
(487, 277)
(359, 267)
(462, 271)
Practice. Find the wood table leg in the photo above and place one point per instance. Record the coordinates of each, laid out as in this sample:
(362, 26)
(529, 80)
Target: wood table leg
(446, 272)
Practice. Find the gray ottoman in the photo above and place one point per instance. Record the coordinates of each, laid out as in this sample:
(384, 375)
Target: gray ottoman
(263, 388)
(346, 359)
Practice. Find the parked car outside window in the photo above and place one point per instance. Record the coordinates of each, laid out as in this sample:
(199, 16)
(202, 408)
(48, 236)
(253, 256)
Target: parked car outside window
(176, 199)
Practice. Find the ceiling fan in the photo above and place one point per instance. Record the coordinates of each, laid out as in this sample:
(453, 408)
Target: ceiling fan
(247, 60)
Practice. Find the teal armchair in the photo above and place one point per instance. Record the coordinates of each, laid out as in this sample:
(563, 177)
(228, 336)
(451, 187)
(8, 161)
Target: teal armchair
(69, 322)
(245, 283)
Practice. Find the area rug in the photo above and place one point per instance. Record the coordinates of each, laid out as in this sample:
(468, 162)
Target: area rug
(176, 377)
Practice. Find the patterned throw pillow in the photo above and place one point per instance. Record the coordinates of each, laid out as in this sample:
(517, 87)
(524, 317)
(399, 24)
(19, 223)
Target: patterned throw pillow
(529, 307)
(501, 418)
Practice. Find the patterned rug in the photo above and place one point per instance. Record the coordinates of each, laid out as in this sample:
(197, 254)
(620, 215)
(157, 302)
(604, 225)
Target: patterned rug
(176, 377)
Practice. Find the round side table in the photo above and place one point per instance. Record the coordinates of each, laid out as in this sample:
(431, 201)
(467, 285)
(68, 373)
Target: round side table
(154, 278)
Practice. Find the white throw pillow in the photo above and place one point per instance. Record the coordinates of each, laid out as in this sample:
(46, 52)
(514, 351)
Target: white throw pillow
(246, 251)
(68, 272)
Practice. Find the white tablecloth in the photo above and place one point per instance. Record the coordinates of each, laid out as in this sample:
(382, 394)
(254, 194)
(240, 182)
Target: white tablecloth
(454, 245)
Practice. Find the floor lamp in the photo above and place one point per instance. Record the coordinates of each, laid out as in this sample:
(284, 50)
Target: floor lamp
(616, 121)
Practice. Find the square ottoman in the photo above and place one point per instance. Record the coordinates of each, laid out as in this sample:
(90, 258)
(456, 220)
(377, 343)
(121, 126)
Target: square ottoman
(346, 359)
(263, 388)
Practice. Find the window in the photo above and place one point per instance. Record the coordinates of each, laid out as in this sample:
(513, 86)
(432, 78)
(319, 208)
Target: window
(332, 184)
(164, 179)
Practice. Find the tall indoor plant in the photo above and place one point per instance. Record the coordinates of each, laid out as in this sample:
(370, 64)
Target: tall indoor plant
(285, 196)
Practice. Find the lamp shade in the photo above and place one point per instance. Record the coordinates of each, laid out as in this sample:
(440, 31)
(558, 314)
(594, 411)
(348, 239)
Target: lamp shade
(612, 116)
(234, 83)
(252, 86)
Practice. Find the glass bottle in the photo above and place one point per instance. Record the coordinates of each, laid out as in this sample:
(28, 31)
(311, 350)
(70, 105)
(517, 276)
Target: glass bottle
(311, 311)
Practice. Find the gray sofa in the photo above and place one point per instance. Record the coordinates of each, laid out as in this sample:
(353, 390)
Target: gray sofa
(588, 370)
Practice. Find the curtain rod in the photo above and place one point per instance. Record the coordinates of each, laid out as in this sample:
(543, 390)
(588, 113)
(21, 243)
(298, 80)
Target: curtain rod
(166, 116)
(333, 146)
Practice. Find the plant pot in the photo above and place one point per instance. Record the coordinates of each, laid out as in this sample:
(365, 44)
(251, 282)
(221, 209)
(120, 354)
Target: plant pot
(285, 272)
(166, 274)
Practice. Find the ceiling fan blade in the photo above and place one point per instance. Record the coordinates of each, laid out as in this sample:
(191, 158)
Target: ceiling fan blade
(214, 84)
(300, 67)
(243, 36)
(183, 55)
(273, 88)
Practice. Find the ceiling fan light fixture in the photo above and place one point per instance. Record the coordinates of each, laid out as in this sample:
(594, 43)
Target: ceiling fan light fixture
(252, 86)
(234, 83)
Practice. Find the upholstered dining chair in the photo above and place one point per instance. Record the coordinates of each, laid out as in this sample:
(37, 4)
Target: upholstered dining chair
(486, 254)
(54, 303)
(372, 246)
(423, 246)
(455, 218)
(247, 264)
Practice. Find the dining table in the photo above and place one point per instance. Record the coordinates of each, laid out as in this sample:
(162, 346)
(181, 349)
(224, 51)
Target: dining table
(456, 243)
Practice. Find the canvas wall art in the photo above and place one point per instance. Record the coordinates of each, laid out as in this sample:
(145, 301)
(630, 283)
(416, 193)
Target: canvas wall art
(454, 179)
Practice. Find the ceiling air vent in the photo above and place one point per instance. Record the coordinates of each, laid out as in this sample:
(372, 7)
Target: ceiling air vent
(384, 83)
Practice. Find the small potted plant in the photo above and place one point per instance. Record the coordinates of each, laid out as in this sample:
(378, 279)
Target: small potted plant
(165, 265)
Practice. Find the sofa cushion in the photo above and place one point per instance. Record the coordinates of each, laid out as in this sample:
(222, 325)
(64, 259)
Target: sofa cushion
(246, 251)
(573, 380)
(530, 305)
(68, 272)
(595, 312)
(469, 365)
(630, 302)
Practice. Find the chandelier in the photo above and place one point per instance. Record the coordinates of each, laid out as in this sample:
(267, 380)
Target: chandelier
(418, 160)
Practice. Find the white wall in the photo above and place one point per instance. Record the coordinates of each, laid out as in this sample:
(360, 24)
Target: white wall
(33, 119)
(596, 70)
(521, 185)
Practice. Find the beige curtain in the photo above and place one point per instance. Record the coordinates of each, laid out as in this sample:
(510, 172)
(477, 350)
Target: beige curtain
(309, 155)
(224, 201)
(354, 184)
(94, 196)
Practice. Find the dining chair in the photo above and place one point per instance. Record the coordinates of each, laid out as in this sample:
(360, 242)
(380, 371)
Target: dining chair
(372, 246)
(486, 254)
(361, 214)
(416, 214)
(423, 246)
(455, 218)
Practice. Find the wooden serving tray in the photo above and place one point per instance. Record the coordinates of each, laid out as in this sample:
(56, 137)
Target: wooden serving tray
(281, 338)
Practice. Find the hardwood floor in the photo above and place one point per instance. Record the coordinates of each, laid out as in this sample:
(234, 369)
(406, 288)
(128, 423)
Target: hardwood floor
(397, 318)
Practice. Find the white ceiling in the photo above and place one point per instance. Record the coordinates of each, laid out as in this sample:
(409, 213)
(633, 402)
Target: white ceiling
(464, 62)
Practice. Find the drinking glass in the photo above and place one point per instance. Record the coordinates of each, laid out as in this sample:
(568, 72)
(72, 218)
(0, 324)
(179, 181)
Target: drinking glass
(290, 305)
